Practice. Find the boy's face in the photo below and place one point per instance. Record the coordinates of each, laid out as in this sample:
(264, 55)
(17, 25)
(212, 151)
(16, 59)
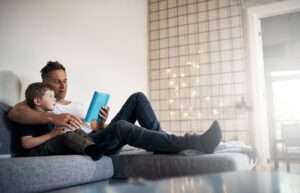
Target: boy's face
(57, 80)
(48, 101)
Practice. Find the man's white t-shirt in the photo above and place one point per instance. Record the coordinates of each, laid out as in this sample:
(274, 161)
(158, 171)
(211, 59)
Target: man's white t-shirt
(77, 109)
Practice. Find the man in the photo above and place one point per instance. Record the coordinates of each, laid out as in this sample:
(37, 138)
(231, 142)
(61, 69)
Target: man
(121, 130)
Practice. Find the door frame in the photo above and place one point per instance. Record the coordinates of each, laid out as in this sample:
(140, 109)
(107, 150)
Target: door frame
(256, 84)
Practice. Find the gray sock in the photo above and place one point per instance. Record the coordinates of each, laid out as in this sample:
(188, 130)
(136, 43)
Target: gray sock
(211, 138)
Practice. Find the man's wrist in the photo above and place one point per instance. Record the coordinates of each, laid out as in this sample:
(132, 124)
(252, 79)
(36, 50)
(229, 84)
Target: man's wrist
(49, 118)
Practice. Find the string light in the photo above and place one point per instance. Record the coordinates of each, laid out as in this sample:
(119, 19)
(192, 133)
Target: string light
(193, 94)
(221, 104)
(185, 114)
(208, 98)
(199, 115)
(171, 83)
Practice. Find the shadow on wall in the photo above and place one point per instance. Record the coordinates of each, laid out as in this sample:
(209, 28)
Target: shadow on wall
(10, 88)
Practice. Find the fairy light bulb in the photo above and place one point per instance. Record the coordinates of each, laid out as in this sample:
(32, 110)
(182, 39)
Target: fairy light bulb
(168, 70)
(221, 104)
(171, 83)
(208, 98)
(171, 101)
(185, 114)
(215, 111)
(199, 115)
(193, 93)
(182, 75)
(174, 75)
(183, 84)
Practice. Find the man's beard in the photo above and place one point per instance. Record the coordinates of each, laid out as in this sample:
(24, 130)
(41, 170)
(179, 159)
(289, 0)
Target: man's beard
(58, 97)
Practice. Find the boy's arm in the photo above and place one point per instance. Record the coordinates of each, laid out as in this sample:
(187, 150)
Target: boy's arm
(29, 142)
(23, 114)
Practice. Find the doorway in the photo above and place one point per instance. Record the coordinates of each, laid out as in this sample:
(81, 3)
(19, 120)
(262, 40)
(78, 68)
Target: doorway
(267, 75)
(281, 48)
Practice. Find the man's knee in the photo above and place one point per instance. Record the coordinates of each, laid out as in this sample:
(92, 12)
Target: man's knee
(139, 96)
(122, 124)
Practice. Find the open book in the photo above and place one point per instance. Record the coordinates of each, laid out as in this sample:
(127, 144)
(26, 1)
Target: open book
(99, 100)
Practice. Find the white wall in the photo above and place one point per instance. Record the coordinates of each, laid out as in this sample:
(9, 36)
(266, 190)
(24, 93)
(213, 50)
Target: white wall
(102, 44)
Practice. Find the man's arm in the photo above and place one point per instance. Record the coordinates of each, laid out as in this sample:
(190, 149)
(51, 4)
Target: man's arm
(29, 142)
(23, 114)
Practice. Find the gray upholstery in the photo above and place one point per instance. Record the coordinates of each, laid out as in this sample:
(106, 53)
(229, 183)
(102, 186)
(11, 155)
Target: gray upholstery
(148, 165)
(10, 142)
(37, 174)
(5, 140)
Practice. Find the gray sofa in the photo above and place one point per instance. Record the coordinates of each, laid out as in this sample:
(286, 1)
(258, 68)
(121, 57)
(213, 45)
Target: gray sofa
(39, 174)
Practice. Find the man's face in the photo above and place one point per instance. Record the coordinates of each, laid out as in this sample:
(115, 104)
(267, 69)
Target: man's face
(57, 80)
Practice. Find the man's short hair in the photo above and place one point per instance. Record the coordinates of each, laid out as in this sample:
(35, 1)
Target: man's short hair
(50, 66)
(35, 90)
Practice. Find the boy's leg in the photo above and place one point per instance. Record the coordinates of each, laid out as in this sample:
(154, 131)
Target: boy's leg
(54, 146)
(138, 108)
(83, 134)
(69, 143)
(75, 141)
(122, 132)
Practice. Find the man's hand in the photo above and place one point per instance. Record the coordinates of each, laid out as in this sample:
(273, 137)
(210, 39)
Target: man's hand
(66, 120)
(103, 114)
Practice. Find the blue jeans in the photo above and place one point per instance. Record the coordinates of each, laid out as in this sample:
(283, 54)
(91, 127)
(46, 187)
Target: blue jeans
(148, 135)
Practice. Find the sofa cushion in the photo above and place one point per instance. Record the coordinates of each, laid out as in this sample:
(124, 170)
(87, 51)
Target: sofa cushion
(5, 141)
(148, 165)
(10, 141)
(39, 174)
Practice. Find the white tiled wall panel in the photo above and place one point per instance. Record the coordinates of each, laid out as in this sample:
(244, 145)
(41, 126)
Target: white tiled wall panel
(197, 67)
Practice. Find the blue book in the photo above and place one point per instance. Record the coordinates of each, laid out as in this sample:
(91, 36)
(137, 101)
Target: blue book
(99, 100)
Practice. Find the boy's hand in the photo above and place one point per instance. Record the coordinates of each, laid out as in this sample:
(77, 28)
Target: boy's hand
(66, 120)
(58, 130)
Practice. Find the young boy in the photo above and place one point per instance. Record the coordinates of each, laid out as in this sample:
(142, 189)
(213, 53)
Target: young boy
(47, 139)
